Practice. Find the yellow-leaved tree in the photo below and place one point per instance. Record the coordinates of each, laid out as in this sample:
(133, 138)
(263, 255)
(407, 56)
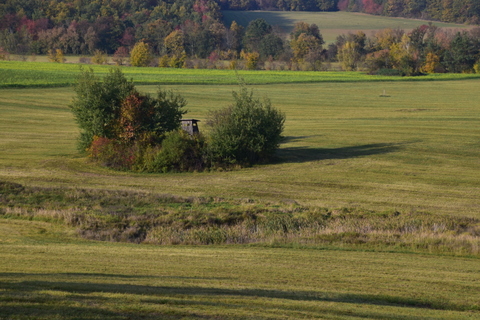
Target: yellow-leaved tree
(349, 55)
(174, 44)
(432, 63)
(140, 55)
(56, 56)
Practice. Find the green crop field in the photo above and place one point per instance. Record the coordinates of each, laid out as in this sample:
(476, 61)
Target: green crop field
(389, 150)
(17, 74)
(331, 24)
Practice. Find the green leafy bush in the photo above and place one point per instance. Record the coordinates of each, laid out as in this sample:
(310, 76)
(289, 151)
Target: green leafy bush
(179, 152)
(97, 104)
(247, 132)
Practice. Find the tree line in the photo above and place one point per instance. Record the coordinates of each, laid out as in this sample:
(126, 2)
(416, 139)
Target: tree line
(82, 27)
(462, 11)
(188, 33)
(426, 49)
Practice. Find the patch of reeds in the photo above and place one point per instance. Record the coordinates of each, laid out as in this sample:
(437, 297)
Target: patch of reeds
(129, 216)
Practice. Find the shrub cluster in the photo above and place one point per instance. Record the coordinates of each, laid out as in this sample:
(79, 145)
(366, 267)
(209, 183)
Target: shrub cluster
(126, 130)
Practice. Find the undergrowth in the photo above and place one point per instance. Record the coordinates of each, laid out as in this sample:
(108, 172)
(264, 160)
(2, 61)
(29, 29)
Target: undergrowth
(138, 217)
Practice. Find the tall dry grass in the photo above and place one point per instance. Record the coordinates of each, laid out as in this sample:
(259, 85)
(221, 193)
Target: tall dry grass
(168, 220)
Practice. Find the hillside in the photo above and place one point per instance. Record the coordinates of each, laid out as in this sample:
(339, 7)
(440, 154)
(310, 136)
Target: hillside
(332, 24)
(462, 11)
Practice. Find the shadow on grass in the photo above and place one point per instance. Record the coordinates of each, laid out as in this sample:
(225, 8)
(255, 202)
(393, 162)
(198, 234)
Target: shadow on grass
(289, 139)
(104, 275)
(34, 310)
(303, 154)
(36, 299)
(274, 18)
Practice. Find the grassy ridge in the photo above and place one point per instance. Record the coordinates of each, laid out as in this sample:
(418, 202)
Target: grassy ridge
(331, 24)
(17, 74)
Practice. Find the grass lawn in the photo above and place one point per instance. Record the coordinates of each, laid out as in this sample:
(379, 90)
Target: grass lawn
(16, 74)
(410, 146)
(332, 24)
(45, 273)
(345, 146)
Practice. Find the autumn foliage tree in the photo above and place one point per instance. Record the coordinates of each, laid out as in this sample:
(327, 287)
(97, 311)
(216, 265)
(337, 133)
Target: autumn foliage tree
(306, 40)
(432, 63)
(140, 55)
(56, 55)
(349, 56)
(174, 45)
(111, 109)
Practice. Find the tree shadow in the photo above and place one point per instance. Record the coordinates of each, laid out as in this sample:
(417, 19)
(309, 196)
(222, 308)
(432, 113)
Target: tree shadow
(289, 139)
(36, 299)
(80, 275)
(274, 18)
(305, 154)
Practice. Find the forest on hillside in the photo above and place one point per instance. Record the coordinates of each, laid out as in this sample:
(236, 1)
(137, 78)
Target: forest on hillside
(190, 34)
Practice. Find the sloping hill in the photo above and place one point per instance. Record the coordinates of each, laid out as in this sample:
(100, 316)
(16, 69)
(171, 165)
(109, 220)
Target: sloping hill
(331, 24)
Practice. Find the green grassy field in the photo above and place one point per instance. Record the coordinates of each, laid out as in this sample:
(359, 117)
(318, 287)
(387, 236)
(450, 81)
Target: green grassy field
(346, 146)
(386, 146)
(16, 74)
(47, 274)
(331, 24)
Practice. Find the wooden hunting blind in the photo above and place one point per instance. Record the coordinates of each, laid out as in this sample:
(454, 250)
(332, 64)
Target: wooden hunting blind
(190, 125)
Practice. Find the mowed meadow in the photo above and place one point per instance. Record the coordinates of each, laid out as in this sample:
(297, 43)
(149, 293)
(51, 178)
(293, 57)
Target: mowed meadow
(376, 145)
(45, 274)
(332, 24)
(389, 149)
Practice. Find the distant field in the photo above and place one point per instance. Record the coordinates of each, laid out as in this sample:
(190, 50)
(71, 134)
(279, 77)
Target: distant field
(331, 24)
(16, 74)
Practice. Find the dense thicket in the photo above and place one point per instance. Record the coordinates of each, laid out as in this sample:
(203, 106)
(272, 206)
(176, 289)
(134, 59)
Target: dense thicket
(119, 126)
(123, 129)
